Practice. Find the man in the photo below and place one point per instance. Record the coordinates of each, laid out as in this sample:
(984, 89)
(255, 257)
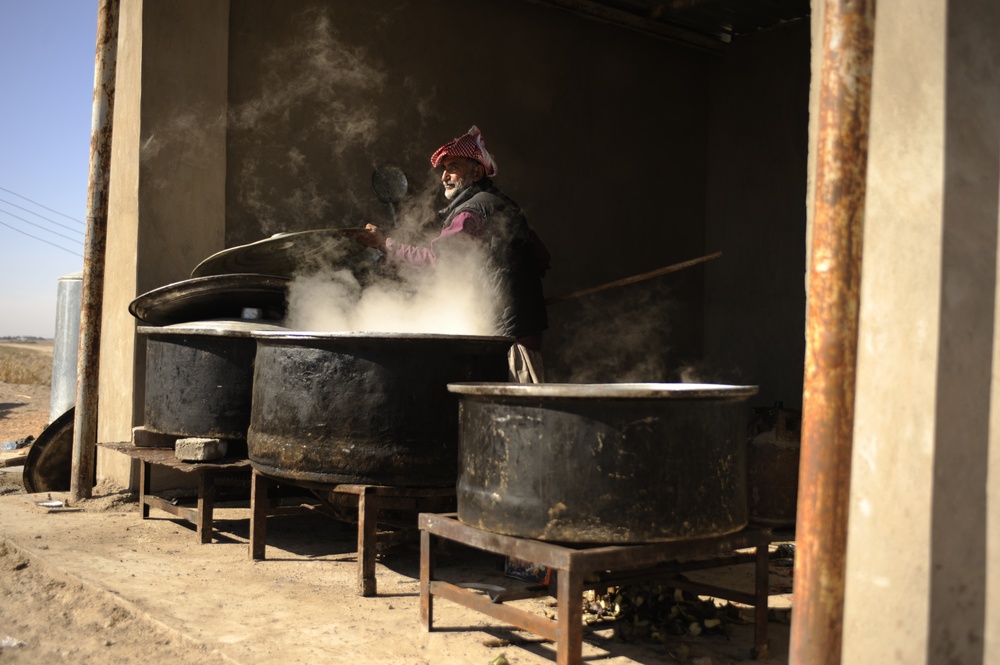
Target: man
(516, 258)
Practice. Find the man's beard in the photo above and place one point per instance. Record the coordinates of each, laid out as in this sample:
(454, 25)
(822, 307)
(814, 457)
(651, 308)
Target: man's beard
(452, 192)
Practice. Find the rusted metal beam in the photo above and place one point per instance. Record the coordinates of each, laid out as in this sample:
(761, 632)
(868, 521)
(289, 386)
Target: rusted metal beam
(832, 332)
(88, 361)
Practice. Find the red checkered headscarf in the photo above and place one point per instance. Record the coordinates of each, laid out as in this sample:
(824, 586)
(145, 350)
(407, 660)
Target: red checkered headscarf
(471, 145)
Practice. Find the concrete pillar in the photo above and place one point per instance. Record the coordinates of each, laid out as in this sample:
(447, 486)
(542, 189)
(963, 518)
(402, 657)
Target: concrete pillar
(167, 193)
(923, 537)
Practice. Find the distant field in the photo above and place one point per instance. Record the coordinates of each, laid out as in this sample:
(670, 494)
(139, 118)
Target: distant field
(26, 362)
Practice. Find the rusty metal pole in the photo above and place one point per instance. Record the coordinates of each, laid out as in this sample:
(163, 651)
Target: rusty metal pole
(832, 332)
(88, 360)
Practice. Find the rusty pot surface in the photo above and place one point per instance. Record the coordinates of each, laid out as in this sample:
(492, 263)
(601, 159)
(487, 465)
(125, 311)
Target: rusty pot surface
(603, 463)
(199, 377)
(367, 408)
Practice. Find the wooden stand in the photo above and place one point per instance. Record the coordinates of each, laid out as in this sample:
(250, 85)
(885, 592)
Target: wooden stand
(368, 499)
(612, 564)
(207, 472)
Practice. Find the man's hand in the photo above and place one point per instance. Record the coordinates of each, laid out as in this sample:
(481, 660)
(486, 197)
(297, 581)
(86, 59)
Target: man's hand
(369, 236)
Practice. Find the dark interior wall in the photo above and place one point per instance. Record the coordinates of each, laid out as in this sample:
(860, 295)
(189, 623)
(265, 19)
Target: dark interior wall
(600, 134)
(756, 215)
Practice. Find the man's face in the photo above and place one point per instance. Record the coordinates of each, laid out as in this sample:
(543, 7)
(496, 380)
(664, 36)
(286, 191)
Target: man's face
(459, 173)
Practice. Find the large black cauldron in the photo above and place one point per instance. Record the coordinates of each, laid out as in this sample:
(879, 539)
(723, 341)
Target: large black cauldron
(198, 377)
(603, 463)
(369, 408)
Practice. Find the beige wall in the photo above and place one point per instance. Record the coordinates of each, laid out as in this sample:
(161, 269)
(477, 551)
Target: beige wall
(922, 530)
(167, 192)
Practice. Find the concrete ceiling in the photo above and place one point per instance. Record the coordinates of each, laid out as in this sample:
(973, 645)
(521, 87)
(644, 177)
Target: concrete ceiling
(706, 24)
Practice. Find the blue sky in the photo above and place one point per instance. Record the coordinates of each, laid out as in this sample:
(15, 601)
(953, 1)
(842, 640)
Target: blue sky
(47, 49)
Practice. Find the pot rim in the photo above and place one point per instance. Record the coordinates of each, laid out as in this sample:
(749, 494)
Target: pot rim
(302, 335)
(213, 328)
(605, 390)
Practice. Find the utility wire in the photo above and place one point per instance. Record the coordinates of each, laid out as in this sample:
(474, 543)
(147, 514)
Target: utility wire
(41, 239)
(39, 226)
(2, 189)
(68, 228)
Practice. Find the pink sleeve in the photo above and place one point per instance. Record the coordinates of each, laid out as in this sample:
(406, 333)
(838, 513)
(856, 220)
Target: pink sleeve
(463, 222)
(417, 255)
(412, 254)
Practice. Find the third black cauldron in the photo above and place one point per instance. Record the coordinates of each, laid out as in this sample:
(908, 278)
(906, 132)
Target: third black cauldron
(603, 463)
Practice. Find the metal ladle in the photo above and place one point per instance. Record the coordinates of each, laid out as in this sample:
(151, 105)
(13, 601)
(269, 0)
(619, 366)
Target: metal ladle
(390, 186)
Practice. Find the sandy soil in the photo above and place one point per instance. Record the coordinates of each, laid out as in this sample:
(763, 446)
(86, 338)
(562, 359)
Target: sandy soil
(46, 617)
(24, 410)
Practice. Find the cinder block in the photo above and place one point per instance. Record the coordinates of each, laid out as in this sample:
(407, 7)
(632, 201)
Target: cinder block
(196, 449)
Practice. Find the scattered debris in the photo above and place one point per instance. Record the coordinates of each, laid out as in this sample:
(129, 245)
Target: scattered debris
(499, 660)
(17, 444)
(11, 643)
(657, 612)
(784, 555)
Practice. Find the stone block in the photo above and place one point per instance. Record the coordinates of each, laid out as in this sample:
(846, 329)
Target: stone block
(197, 449)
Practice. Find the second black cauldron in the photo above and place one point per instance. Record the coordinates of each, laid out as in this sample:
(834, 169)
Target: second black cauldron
(365, 408)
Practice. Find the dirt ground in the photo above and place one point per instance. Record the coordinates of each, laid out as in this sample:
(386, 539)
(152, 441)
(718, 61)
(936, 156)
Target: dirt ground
(46, 617)
(97, 584)
(24, 410)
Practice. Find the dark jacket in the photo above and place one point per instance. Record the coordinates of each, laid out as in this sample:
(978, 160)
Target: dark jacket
(517, 257)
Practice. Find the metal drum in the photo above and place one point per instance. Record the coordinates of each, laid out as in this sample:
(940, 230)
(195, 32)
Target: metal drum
(603, 463)
(367, 408)
(199, 378)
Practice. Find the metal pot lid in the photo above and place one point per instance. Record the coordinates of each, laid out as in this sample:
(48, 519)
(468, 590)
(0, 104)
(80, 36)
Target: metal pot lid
(216, 327)
(213, 297)
(49, 464)
(288, 254)
(605, 391)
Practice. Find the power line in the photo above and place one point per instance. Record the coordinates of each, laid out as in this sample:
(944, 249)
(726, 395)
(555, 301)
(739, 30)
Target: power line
(68, 228)
(2, 189)
(41, 239)
(39, 226)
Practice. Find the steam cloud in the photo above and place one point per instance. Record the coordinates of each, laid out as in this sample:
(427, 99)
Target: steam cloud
(448, 299)
(622, 339)
(323, 93)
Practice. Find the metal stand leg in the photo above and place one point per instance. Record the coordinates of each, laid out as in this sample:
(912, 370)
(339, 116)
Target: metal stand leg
(367, 536)
(206, 505)
(426, 575)
(145, 485)
(569, 615)
(259, 486)
(761, 580)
